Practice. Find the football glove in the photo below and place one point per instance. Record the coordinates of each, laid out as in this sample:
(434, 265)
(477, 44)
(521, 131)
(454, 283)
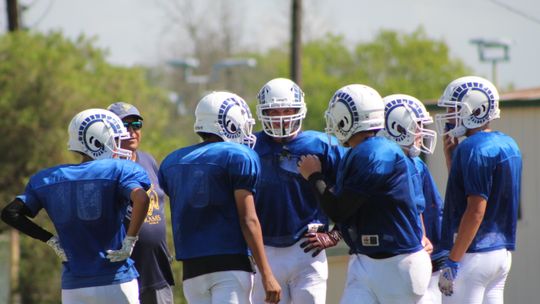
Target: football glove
(448, 275)
(54, 243)
(125, 252)
(317, 241)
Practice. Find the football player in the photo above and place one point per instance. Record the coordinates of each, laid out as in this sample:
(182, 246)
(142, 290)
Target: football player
(406, 121)
(482, 194)
(295, 230)
(87, 203)
(375, 202)
(215, 225)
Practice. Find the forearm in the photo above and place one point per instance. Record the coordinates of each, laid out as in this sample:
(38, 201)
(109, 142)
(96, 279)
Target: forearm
(140, 209)
(251, 231)
(338, 208)
(16, 215)
(468, 227)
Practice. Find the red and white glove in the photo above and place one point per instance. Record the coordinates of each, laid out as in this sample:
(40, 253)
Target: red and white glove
(318, 241)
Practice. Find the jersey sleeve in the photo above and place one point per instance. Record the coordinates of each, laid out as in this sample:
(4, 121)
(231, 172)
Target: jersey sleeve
(333, 154)
(30, 199)
(133, 176)
(477, 173)
(244, 171)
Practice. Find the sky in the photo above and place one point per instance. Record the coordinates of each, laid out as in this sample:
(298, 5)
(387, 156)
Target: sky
(142, 32)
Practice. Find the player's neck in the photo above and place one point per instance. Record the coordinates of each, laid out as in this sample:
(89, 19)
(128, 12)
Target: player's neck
(283, 140)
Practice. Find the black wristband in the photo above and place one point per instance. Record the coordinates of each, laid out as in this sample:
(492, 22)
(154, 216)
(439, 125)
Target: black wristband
(316, 180)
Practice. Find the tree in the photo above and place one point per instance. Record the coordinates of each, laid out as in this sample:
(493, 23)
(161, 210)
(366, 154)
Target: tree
(44, 81)
(393, 62)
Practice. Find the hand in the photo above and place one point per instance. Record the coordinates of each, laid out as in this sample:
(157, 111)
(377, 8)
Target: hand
(447, 277)
(125, 252)
(428, 246)
(308, 165)
(272, 290)
(318, 241)
(450, 143)
(54, 243)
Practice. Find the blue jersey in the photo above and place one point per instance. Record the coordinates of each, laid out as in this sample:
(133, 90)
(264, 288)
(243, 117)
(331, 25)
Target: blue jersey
(390, 221)
(487, 164)
(151, 254)
(432, 212)
(200, 181)
(285, 201)
(87, 204)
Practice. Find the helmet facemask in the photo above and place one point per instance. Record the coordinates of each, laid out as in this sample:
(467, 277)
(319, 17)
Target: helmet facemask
(281, 93)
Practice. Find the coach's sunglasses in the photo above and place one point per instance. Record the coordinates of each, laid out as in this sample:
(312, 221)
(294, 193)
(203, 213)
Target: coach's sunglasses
(135, 125)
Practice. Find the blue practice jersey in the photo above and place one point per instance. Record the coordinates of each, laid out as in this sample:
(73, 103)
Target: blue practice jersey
(285, 201)
(433, 208)
(487, 164)
(151, 254)
(87, 204)
(200, 181)
(390, 221)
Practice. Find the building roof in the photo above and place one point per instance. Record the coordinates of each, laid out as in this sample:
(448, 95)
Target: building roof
(523, 95)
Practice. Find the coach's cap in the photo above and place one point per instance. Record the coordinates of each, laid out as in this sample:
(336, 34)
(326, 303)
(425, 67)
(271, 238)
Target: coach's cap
(124, 109)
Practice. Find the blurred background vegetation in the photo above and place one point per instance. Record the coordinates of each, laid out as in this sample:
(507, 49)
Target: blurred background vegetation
(46, 78)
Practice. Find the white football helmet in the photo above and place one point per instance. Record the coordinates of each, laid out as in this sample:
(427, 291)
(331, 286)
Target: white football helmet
(98, 133)
(405, 121)
(471, 102)
(226, 115)
(281, 93)
(352, 109)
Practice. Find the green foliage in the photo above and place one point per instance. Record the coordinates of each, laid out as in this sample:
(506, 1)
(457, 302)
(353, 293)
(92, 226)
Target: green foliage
(392, 63)
(44, 81)
(410, 64)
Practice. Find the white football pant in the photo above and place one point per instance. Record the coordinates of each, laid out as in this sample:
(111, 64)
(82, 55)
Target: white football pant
(401, 279)
(302, 277)
(481, 278)
(222, 287)
(125, 293)
(433, 295)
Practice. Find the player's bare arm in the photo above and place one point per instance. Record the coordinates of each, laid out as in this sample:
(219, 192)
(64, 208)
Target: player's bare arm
(140, 208)
(251, 229)
(470, 222)
(140, 200)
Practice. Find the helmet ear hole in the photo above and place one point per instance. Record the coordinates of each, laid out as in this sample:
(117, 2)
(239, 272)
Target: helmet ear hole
(226, 115)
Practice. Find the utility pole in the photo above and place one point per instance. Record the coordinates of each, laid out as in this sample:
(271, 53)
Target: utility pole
(12, 8)
(296, 42)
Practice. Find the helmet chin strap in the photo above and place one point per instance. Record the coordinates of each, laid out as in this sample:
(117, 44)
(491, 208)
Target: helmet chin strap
(458, 131)
(414, 151)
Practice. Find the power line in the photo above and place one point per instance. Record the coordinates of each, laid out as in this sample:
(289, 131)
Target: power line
(516, 11)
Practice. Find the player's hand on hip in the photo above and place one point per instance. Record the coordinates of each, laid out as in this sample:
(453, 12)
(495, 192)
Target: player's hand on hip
(309, 164)
(318, 241)
(125, 252)
(272, 290)
(446, 279)
(428, 246)
(54, 243)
